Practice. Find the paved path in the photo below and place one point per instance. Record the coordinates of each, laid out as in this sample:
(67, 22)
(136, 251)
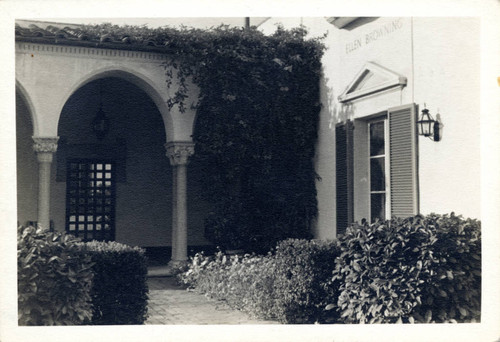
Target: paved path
(171, 304)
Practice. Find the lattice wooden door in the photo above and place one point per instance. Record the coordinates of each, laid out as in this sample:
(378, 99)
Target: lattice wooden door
(90, 199)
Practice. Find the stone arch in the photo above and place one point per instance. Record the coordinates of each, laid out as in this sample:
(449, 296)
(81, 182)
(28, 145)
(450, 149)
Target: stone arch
(134, 145)
(134, 77)
(21, 90)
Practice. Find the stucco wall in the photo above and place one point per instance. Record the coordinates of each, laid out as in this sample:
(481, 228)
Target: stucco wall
(440, 59)
(51, 74)
(27, 171)
(135, 99)
(447, 69)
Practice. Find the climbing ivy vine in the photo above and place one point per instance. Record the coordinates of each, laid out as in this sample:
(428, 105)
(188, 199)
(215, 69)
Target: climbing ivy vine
(255, 132)
(256, 127)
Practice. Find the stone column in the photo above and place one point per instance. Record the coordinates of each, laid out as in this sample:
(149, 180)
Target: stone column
(44, 149)
(179, 153)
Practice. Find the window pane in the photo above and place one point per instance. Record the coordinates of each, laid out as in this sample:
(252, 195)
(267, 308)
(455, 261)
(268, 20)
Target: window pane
(377, 207)
(377, 174)
(377, 144)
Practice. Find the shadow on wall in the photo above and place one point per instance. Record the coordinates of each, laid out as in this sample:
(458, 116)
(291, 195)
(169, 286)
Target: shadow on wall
(339, 112)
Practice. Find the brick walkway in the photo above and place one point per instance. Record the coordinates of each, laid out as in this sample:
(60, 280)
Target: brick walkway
(171, 304)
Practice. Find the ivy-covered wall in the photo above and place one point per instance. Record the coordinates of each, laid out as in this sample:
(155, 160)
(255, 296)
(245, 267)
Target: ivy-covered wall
(255, 132)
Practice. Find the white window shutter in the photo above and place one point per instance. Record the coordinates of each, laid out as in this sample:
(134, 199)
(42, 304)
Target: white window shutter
(403, 161)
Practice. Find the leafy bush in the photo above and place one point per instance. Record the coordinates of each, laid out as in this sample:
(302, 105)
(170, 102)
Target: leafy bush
(412, 270)
(303, 271)
(453, 292)
(54, 279)
(119, 291)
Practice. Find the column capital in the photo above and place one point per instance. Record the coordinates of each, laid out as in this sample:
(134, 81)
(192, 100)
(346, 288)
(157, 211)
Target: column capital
(179, 152)
(45, 144)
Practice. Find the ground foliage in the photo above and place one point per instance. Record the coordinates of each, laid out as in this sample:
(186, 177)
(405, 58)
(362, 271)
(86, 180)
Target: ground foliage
(290, 286)
(244, 282)
(420, 269)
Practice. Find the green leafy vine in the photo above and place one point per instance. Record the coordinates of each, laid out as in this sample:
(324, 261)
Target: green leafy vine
(256, 128)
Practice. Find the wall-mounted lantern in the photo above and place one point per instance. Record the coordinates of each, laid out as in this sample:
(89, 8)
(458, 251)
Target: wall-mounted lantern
(428, 127)
(100, 124)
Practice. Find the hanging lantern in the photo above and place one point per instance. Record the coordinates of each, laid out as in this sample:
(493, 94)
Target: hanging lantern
(100, 124)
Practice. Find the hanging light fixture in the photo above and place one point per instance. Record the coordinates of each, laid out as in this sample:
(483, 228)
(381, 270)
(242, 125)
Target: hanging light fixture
(100, 124)
(428, 127)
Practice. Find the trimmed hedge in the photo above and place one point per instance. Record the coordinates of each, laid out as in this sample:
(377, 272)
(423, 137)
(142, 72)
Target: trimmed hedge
(119, 291)
(303, 270)
(420, 269)
(54, 279)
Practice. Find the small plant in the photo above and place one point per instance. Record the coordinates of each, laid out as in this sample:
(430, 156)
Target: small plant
(119, 290)
(54, 279)
(412, 270)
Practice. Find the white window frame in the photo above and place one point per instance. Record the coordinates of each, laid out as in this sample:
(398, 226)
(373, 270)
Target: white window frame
(387, 167)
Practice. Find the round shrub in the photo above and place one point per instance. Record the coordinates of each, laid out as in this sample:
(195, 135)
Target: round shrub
(419, 269)
(453, 292)
(303, 270)
(54, 279)
(119, 291)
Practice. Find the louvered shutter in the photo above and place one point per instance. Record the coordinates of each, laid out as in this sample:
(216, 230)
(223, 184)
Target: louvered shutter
(343, 176)
(403, 161)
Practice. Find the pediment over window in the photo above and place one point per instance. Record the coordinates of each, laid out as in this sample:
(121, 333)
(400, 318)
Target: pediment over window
(371, 79)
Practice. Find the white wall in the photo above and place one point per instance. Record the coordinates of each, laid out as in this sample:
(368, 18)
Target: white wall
(27, 170)
(440, 59)
(447, 76)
